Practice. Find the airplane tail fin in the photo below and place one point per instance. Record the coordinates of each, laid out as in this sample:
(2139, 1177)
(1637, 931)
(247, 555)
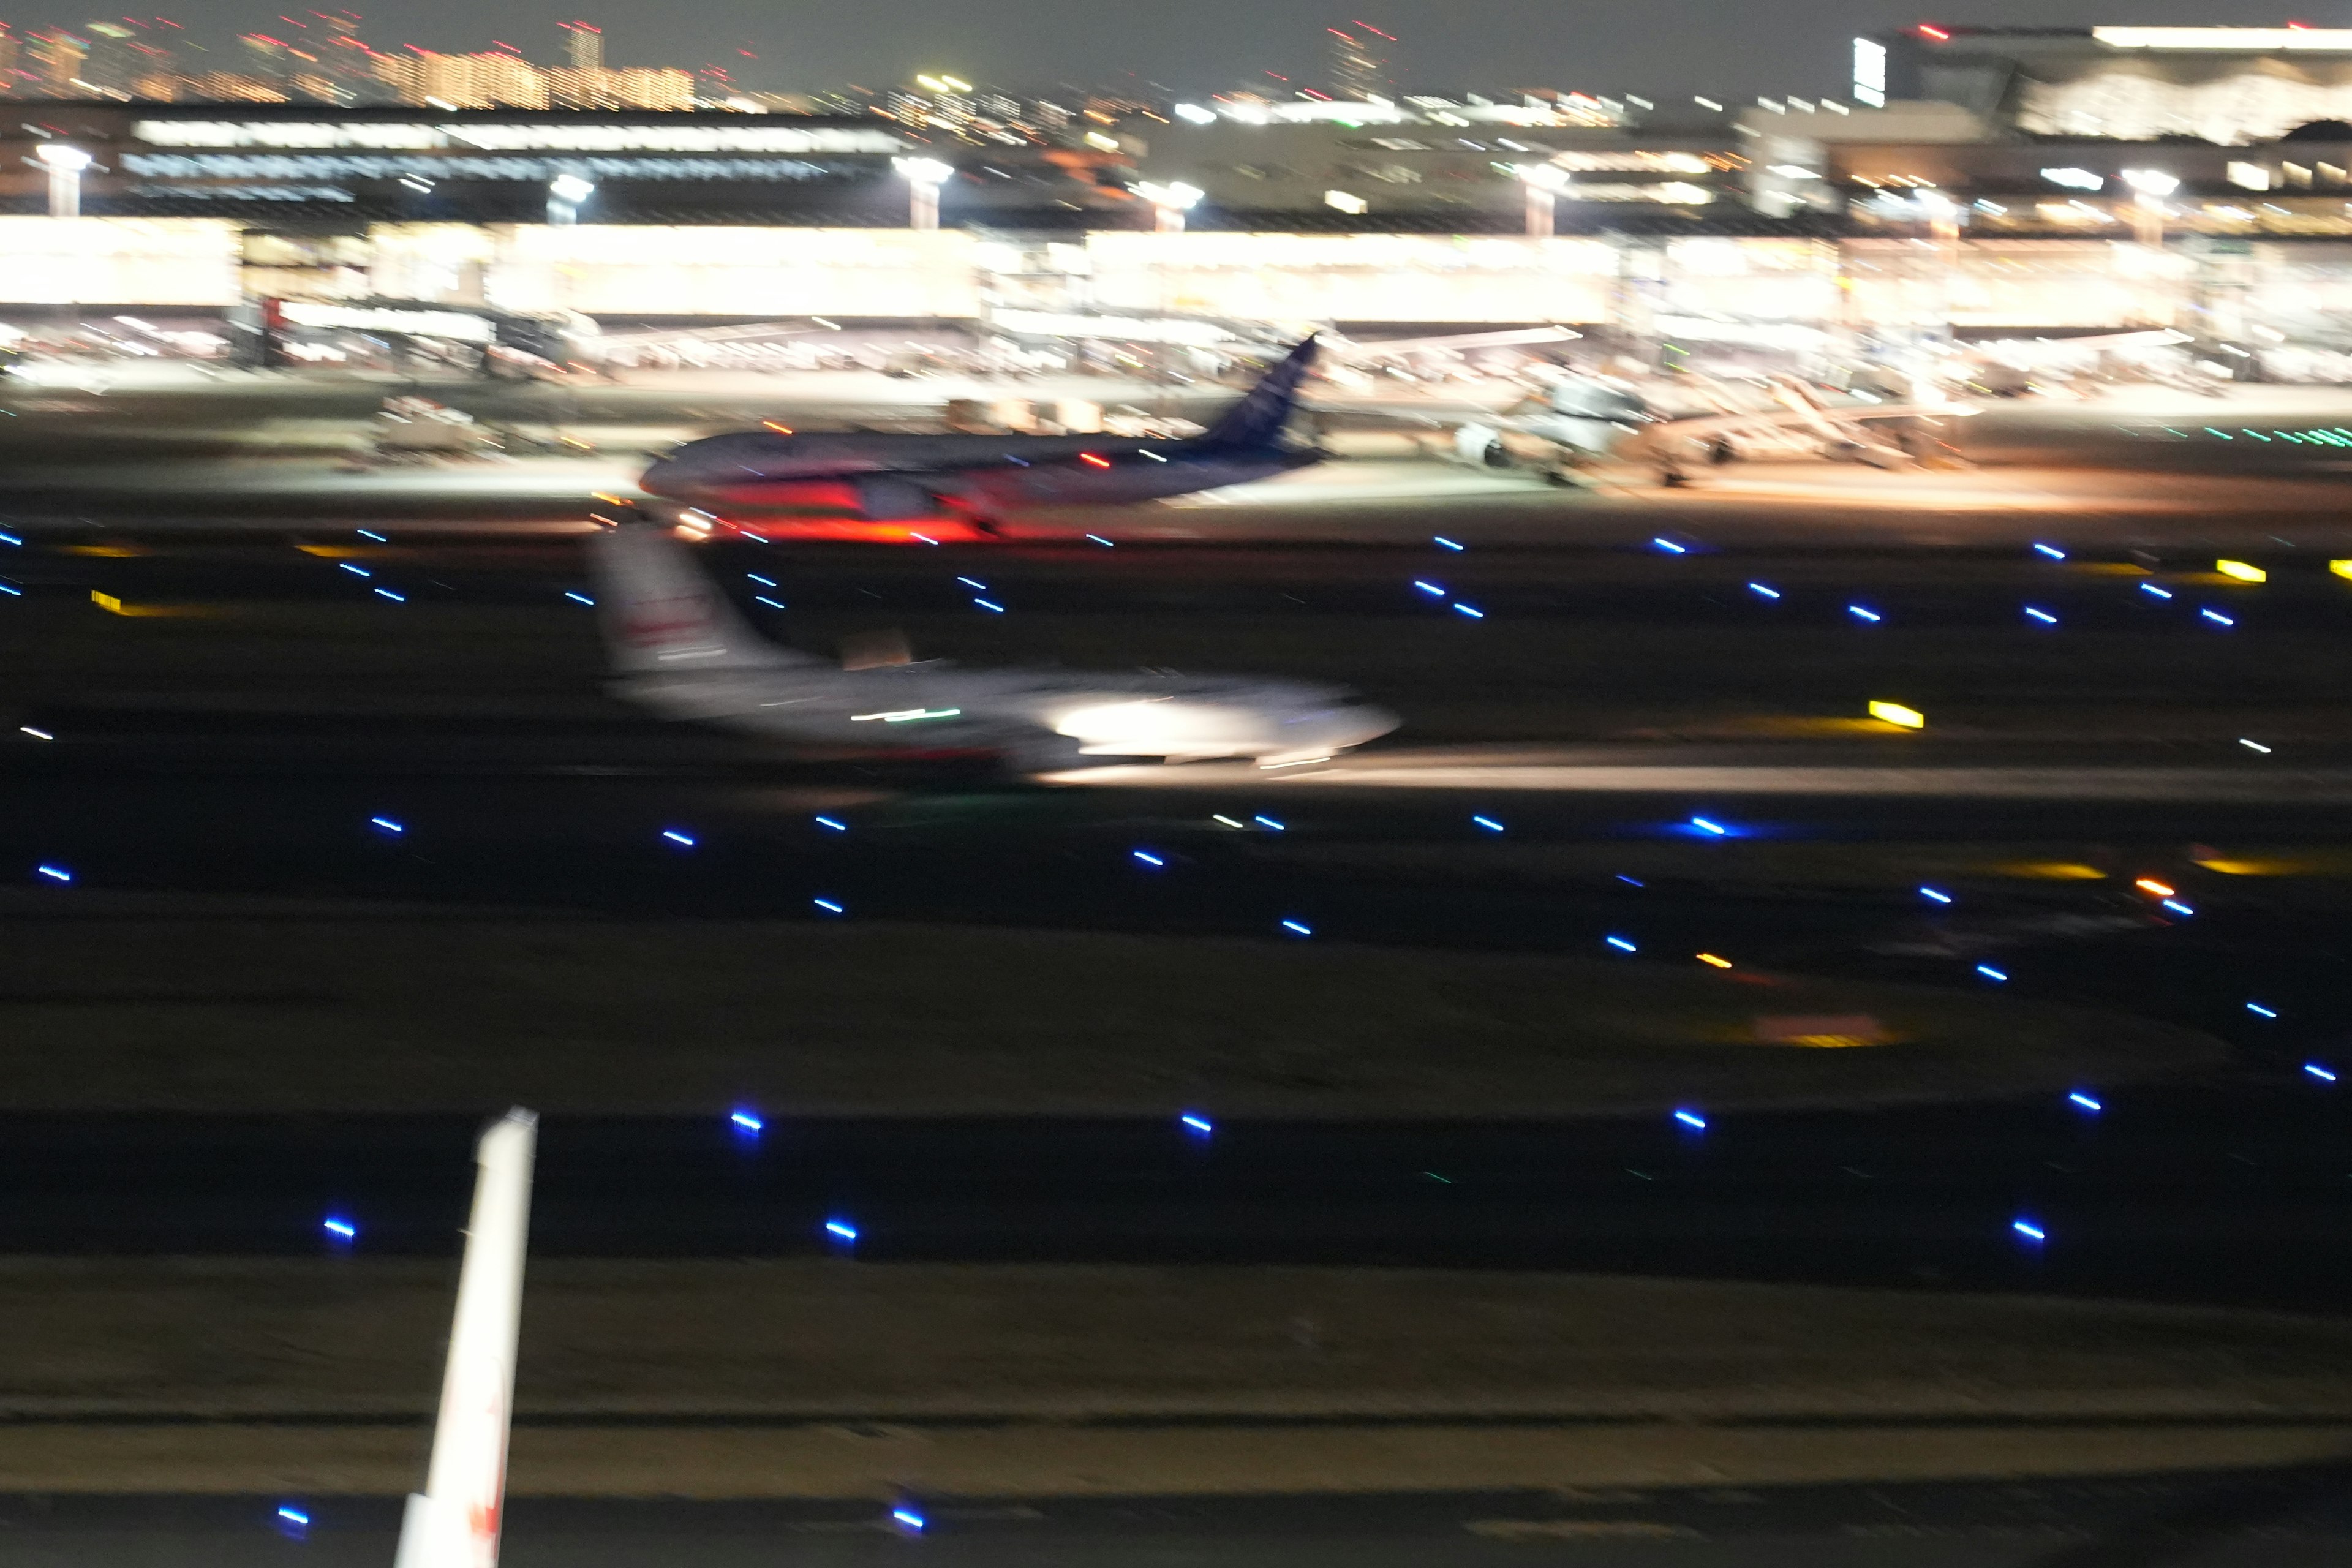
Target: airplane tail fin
(454, 1522)
(661, 612)
(1258, 418)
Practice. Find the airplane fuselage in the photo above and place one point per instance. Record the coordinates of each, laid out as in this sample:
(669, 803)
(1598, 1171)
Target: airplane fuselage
(912, 475)
(1047, 715)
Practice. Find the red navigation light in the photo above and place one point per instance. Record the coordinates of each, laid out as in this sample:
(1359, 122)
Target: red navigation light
(1096, 458)
(1929, 30)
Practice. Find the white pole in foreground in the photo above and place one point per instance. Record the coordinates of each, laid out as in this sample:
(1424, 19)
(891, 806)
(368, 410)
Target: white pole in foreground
(454, 1522)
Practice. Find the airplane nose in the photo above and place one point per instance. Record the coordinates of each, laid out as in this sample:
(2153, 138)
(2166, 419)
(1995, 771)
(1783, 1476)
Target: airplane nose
(665, 478)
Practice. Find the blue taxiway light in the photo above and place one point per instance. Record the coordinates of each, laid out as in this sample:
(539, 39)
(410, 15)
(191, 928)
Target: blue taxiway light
(289, 1514)
(683, 840)
(1463, 609)
(1705, 825)
(1692, 1120)
(908, 1518)
(2029, 1230)
(841, 1230)
(1445, 542)
(55, 873)
(827, 905)
(1862, 611)
(395, 598)
(340, 1229)
(1199, 1126)
(1768, 592)
(1299, 928)
(10, 538)
(974, 584)
(1630, 881)
(1621, 943)
(12, 590)
(2260, 1010)
(387, 825)
(370, 533)
(1670, 546)
(992, 607)
(2152, 589)
(2052, 551)
(2044, 617)
(1937, 894)
(2086, 1101)
(2178, 907)
(1147, 857)
(771, 603)
(1430, 588)
(1990, 972)
(1488, 823)
(830, 823)
(2217, 617)
(578, 598)
(2325, 1075)
(748, 1121)
(1269, 822)
(764, 582)
(1106, 543)
(355, 571)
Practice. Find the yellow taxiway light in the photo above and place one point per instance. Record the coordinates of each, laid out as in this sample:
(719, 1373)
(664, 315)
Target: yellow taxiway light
(2341, 568)
(1713, 961)
(1896, 714)
(2244, 572)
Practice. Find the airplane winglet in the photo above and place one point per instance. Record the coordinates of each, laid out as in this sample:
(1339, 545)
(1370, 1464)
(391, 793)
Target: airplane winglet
(454, 1523)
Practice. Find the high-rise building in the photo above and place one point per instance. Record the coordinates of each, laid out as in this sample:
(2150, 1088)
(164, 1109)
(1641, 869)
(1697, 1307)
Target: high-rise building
(1361, 63)
(269, 61)
(491, 80)
(583, 46)
(113, 62)
(346, 63)
(57, 58)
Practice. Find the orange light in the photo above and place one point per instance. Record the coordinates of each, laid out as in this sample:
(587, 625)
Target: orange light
(1718, 963)
(1929, 30)
(1096, 458)
(2150, 885)
(779, 430)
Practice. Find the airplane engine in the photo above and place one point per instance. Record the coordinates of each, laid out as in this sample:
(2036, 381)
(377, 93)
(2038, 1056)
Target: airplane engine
(882, 499)
(1480, 446)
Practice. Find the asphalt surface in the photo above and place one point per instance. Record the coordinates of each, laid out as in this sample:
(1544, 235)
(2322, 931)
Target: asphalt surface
(1624, 677)
(2274, 1517)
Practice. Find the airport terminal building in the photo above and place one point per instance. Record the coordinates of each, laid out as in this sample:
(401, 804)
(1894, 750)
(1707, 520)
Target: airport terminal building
(1967, 189)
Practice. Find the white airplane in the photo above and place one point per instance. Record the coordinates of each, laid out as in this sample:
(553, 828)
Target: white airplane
(900, 478)
(1583, 422)
(454, 1522)
(680, 649)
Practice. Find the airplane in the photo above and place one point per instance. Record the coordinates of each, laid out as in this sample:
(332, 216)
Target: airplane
(1582, 422)
(681, 650)
(895, 478)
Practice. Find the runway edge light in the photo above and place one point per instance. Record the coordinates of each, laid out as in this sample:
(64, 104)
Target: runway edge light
(1895, 713)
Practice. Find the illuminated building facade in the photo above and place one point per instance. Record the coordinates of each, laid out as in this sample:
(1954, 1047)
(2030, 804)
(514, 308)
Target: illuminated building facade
(2227, 85)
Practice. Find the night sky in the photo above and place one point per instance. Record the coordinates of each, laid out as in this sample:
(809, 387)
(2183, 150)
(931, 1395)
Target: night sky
(1665, 46)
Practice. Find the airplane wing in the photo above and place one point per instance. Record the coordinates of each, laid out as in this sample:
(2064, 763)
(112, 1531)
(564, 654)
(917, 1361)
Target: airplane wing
(454, 1522)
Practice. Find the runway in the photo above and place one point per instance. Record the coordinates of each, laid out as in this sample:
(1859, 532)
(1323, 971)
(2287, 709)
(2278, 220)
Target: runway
(2261, 1517)
(1474, 770)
